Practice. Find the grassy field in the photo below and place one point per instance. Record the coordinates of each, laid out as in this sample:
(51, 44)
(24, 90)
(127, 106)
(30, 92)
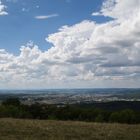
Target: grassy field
(14, 129)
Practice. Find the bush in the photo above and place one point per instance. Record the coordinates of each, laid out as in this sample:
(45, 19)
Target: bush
(99, 118)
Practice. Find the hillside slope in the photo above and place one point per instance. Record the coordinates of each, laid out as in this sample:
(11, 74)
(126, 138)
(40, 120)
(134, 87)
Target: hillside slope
(14, 129)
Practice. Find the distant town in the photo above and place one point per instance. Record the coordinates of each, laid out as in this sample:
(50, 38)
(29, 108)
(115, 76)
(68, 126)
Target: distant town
(73, 96)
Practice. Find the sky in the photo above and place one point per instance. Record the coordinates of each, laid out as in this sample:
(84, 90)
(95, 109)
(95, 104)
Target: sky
(23, 22)
(69, 44)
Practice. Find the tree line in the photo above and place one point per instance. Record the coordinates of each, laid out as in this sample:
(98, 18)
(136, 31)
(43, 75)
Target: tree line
(12, 107)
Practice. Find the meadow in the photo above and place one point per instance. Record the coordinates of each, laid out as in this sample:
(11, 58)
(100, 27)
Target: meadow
(25, 129)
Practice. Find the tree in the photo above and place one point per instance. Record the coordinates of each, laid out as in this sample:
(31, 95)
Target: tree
(11, 101)
(124, 116)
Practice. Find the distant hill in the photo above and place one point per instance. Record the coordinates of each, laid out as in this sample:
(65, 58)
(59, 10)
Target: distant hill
(15, 129)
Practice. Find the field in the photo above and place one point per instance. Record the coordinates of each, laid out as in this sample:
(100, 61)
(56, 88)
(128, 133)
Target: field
(15, 129)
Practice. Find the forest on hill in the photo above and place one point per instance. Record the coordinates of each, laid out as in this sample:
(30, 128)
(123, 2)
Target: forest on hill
(13, 108)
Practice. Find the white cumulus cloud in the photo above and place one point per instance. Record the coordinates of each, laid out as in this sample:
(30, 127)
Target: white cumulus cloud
(87, 53)
(2, 9)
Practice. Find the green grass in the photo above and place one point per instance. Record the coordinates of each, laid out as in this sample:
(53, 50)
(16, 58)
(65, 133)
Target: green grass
(15, 129)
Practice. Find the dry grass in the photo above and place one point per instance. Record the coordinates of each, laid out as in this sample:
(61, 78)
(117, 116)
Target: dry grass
(14, 129)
